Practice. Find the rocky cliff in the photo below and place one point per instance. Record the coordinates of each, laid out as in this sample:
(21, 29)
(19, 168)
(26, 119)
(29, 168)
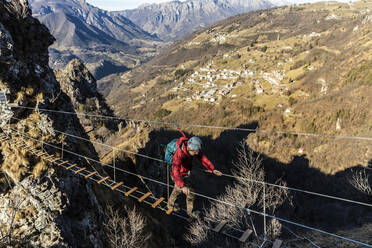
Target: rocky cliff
(41, 206)
(80, 85)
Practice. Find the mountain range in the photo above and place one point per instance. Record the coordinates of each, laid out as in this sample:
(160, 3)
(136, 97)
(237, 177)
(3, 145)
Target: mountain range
(107, 43)
(113, 42)
(172, 20)
(110, 42)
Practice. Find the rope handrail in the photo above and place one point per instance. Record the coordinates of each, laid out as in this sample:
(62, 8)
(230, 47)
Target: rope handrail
(224, 174)
(86, 172)
(206, 126)
(230, 204)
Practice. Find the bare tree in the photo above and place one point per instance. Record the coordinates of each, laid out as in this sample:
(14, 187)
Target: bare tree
(7, 227)
(125, 232)
(18, 8)
(247, 193)
(360, 181)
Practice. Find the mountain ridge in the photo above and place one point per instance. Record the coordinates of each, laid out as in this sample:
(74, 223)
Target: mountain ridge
(103, 41)
(172, 20)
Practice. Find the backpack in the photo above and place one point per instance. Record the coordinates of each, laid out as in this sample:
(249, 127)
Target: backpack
(171, 150)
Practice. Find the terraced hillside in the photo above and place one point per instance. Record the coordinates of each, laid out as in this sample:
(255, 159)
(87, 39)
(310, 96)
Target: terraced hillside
(303, 68)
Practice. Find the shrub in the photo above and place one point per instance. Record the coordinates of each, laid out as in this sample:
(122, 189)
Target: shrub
(164, 82)
(264, 49)
(292, 101)
(343, 114)
(310, 128)
(161, 113)
(251, 110)
(360, 181)
(182, 72)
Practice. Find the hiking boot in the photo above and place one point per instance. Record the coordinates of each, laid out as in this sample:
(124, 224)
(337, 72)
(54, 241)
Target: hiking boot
(175, 207)
(194, 215)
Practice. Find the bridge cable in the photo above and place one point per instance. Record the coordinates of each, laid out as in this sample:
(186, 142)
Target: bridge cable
(226, 203)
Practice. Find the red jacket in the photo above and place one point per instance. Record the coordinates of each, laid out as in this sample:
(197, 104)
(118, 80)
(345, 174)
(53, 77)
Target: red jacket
(182, 162)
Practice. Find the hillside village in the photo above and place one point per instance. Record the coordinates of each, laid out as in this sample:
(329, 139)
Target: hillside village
(265, 67)
(244, 67)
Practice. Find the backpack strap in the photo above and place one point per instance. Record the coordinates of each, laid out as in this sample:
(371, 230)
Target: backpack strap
(182, 133)
(181, 144)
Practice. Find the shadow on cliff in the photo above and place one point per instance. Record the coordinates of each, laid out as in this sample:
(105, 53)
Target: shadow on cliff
(324, 213)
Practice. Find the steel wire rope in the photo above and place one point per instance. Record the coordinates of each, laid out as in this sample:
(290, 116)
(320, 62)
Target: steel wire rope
(99, 143)
(106, 184)
(226, 175)
(233, 205)
(301, 237)
(206, 126)
(299, 190)
(151, 196)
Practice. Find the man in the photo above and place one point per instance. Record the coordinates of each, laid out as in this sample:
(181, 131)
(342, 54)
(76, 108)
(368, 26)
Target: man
(181, 168)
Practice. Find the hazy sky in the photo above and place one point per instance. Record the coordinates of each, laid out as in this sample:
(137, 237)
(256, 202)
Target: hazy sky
(121, 4)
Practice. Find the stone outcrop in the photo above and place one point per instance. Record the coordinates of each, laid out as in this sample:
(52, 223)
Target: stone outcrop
(40, 206)
(80, 85)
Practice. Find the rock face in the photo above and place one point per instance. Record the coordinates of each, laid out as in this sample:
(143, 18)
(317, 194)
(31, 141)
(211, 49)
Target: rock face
(40, 206)
(80, 85)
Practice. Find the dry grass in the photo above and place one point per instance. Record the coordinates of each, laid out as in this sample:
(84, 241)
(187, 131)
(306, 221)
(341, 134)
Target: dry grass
(39, 169)
(16, 163)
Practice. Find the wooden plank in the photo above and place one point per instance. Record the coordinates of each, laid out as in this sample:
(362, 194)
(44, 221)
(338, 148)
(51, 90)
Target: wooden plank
(144, 197)
(169, 211)
(220, 226)
(277, 243)
(245, 235)
(131, 191)
(79, 170)
(103, 179)
(91, 174)
(71, 166)
(54, 160)
(49, 157)
(116, 186)
(62, 163)
(157, 202)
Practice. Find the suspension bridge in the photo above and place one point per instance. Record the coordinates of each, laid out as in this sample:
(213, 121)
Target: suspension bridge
(222, 227)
